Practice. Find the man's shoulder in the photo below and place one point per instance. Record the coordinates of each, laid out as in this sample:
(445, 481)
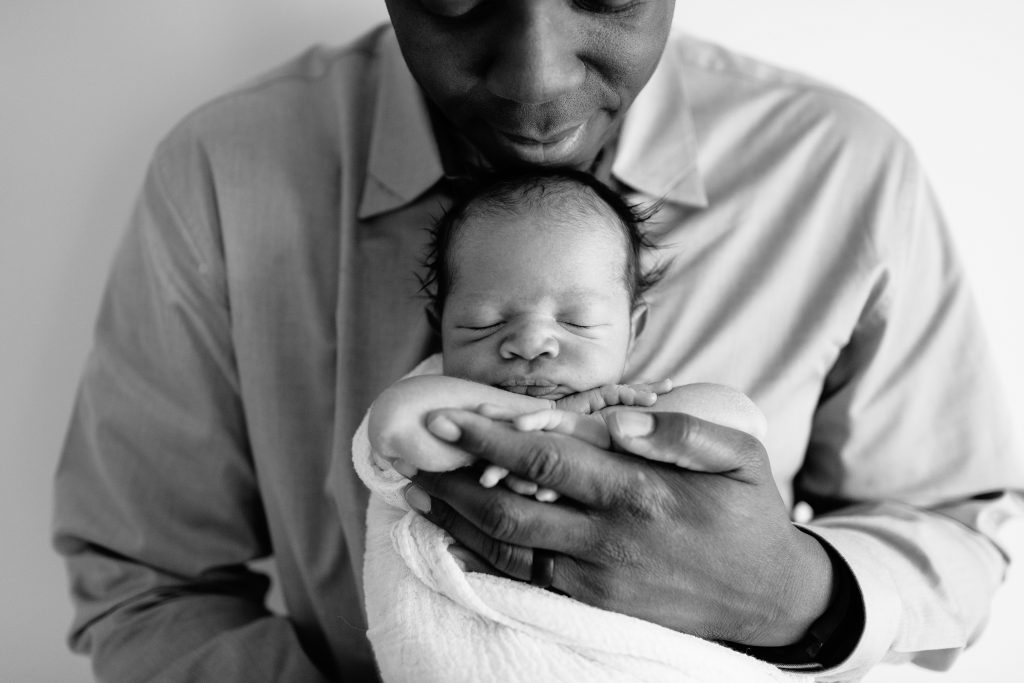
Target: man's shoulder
(296, 106)
(719, 81)
(698, 53)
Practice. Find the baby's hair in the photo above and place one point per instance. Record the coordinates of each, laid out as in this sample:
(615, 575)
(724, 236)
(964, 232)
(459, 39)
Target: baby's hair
(496, 193)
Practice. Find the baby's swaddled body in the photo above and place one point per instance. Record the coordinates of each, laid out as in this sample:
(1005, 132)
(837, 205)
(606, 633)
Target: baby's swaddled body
(429, 620)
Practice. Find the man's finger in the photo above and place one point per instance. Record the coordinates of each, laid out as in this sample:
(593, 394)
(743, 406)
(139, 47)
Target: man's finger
(688, 442)
(469, 561)
(503, 558)
(500, 515)
(565, 464)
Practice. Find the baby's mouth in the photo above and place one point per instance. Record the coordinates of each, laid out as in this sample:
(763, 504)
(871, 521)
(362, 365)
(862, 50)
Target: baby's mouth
(537, 388)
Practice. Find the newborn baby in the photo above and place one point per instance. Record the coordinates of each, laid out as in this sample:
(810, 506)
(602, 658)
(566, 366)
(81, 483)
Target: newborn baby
(537, 291)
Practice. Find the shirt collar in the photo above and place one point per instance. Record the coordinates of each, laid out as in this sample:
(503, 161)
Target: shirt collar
(656, 151)
(404, 161)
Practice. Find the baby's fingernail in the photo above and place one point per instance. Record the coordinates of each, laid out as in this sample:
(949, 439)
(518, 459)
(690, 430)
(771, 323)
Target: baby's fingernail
(404, 468)
(444, 429)
(632, 423)
(417, 499)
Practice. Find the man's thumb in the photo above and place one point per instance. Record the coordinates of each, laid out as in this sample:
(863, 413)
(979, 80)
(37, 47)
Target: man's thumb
(682, 440)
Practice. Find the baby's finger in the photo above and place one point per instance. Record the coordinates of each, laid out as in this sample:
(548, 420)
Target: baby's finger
(660, 387)
(615, 395)
(492, 475)
(547, 495)
(645, 399)
(583, 427)
(542, 420)
(634, 396)
(523, 487)
(496, 412)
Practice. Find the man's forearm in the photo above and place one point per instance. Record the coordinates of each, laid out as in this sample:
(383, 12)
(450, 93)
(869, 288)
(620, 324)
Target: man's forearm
(196, 637)
(927, 577)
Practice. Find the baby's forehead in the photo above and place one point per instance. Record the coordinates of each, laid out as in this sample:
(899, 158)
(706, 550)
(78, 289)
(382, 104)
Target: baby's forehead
(563, 212)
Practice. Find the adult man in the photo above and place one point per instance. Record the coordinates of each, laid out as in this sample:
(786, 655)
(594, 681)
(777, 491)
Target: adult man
(263, 297)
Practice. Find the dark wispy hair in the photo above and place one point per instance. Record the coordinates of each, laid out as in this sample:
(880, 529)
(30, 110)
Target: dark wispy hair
(507, 191)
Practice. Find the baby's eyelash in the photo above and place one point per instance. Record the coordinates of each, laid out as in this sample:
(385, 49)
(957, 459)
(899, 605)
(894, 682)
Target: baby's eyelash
(479, 328)
(577, 326)
(606, 8)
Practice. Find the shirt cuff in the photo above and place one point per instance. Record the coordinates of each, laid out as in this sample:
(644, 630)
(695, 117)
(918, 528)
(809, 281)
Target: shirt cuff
(881, 602)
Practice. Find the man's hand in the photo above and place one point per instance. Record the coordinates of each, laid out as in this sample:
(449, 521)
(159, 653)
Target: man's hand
(703, 546)
(572, 416)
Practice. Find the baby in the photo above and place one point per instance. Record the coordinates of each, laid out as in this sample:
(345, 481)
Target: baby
(537, 291)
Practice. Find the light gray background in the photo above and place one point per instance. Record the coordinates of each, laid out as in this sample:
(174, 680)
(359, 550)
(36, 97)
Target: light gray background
(87, 88)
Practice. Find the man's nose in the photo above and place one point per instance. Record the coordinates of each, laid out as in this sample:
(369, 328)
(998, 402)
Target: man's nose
(529, 341)
(536, 59)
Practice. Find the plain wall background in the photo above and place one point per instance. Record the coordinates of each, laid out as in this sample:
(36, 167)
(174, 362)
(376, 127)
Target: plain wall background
(88, 87)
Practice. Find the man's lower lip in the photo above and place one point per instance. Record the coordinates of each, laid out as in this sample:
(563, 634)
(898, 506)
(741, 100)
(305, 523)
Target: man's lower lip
(556, 149)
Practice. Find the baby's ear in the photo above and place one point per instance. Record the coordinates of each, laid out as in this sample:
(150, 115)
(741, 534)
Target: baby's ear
(638, 319)
(433, 319)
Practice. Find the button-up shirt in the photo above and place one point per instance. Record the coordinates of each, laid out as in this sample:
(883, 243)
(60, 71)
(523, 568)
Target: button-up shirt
(266, 291)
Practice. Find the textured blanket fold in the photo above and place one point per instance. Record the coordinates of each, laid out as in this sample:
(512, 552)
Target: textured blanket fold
(431, 621)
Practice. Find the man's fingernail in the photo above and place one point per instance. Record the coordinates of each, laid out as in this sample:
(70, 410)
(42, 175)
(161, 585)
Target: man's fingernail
(417, 499)
(444, 429)
(459, 557)
(633, 423)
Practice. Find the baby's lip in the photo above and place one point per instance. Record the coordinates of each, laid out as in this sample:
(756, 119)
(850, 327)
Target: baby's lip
(535, 386)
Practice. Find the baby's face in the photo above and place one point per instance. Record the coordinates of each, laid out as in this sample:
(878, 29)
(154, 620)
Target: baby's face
(538, 303)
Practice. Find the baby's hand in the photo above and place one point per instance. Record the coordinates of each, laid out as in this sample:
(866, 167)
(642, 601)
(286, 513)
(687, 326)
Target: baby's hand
(589, 428)
(593, 400)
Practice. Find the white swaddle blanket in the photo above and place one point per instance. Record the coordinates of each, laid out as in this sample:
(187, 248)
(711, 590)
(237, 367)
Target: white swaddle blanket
(431, 621)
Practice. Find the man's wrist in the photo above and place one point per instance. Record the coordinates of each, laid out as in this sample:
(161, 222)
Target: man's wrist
(831, 637)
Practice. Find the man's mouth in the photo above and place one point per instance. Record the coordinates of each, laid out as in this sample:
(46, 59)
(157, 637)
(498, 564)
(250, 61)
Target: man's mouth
(540, 138)
(542, 148)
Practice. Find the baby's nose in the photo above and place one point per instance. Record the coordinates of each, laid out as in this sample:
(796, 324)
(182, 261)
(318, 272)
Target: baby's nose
(529, 341)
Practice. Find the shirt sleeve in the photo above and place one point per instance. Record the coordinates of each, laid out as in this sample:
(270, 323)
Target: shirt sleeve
(158, 510)
(912, 467)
